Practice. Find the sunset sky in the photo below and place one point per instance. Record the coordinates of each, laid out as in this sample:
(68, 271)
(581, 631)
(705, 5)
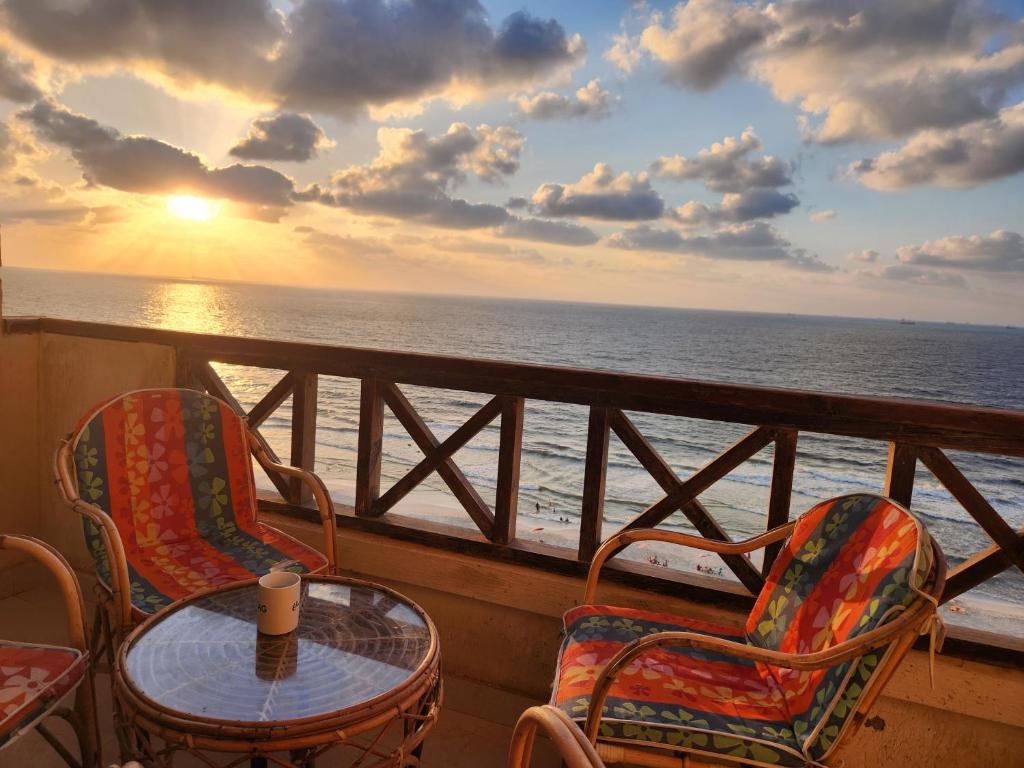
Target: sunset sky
(820, 156)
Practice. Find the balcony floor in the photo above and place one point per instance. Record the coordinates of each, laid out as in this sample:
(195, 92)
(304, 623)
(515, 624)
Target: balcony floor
(460, 740)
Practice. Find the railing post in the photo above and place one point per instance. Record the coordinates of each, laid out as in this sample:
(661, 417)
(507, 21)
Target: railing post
(899, 473)
(781, 490)
(184, 375)
(304, 396)
(594, 475)
(510, 447)
(368, 456)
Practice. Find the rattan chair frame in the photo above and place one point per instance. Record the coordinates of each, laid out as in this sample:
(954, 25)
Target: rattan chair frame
(82, 715)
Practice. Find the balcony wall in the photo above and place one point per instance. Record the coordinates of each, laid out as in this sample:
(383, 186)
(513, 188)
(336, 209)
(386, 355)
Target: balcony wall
(499, 622)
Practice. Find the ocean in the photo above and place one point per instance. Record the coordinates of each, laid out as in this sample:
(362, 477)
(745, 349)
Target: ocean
(950, 363)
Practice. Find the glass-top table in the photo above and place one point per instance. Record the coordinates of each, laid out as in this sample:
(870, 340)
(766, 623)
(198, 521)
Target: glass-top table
(200, 669)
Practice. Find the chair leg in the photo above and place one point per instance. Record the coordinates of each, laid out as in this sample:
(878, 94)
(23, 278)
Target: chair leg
(86, 715)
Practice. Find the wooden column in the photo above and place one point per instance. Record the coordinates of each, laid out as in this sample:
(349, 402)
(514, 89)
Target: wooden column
(899, 473)
(594, 475)
(303, 431)
(371, 429)
(781, 491)
(510, 448)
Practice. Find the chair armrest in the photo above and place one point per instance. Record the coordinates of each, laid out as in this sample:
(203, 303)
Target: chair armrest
(908, 621)
(616, 543)
(320, 494)
(568, 739)
(62, 571)
(120, 582)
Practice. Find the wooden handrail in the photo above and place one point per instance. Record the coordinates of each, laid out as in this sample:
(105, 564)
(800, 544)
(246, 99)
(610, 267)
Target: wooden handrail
(972, 428)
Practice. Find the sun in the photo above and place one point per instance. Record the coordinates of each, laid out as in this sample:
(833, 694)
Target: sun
(193, 208)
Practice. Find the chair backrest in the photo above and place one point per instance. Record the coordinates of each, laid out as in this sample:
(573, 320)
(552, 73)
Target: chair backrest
(852, 564)
(165, 465)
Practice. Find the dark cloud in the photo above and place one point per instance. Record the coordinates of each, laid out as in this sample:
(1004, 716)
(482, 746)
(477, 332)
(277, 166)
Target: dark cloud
(555, 232)
(338, 56)
(601, 195)
(999, 252)
(736, 208)
(414, 174)
(963, 157)
(591, 101)
(754, 241)
(226, 42)
(285, 136)
(726, 166)
(516, 203)
(16, 79)
(145, 165)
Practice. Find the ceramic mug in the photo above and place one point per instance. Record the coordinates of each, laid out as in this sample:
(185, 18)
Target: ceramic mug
(277, 595)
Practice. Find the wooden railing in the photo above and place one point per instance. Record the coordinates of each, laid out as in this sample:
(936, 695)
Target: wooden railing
(917, 433)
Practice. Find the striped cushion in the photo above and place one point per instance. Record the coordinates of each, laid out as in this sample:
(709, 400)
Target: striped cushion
(673, 697)
(851, 564)
(172, 469)
(32, 679)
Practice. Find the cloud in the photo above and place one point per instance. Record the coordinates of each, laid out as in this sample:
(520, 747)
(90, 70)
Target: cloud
(344, 55)
(145, 165)
(62, 214)
(413, 175)
(343, 245)
(17, 79)
(591, 101)
(866, 256)
(227, 42)
(555, 232)
(962, 157)
(736, 208)
(868, 70)
(999, 252)
(705, 41)
(725, 166)
(489, 250)
(285, 136)
(754, 241)
(328, 56)
(601, 195)
(907, 273)
(819, 216)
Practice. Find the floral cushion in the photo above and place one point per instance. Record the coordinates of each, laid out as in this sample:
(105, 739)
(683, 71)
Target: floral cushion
(172, 468)
(852, 564)
(32, 679)
(673, 698)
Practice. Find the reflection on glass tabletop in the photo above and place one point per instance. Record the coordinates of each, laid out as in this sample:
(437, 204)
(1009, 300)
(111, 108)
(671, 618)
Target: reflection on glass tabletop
(205, 659)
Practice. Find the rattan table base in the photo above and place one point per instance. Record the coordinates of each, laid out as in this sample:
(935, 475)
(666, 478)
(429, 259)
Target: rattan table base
(359, 680)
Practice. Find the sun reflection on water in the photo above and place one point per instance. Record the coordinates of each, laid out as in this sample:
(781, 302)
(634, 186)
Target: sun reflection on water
(193, 307)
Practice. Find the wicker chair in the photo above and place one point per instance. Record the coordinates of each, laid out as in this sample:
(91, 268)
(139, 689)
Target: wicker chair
(36, 681)
(856, 582)
(164, 481)
(572, 746)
